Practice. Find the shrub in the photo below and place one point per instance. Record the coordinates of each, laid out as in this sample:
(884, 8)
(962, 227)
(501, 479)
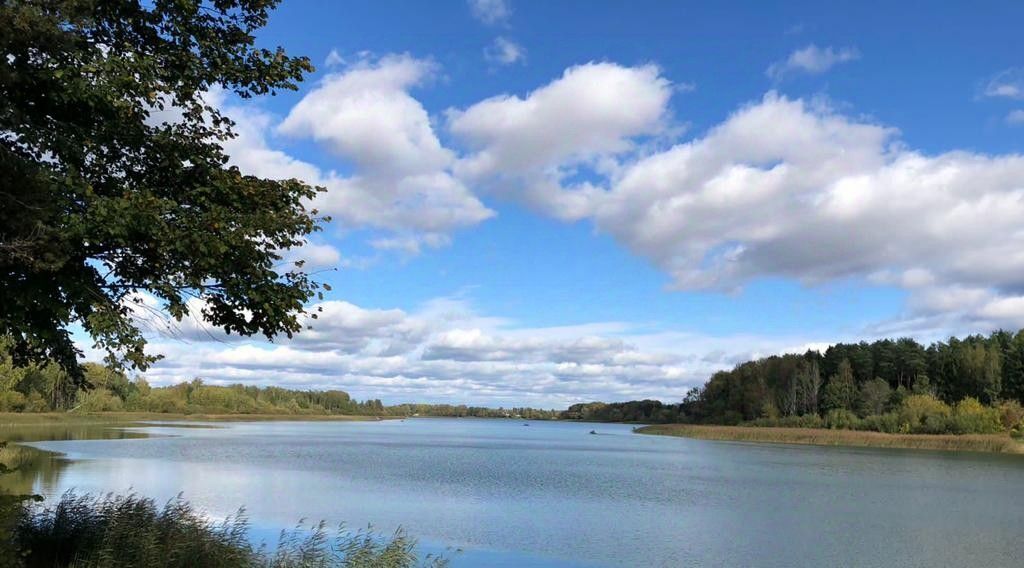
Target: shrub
(99, 400)
(888, 423)
(841, 419)
(971, 417)
(165, 400)
(1011, 415)
(36, 403)
(12, 401)
(917, 409)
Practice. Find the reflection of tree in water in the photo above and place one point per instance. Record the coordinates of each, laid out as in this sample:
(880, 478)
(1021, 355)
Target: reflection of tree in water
(38, 471)
(33, 470)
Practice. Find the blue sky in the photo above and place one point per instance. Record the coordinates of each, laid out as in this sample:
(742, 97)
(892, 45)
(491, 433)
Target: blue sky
(548, 202)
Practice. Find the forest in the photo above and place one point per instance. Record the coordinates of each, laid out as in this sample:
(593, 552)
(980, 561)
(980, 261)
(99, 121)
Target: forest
(973, 385)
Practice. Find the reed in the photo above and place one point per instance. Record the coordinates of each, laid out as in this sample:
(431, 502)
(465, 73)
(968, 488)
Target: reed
(999, 443)
(85, 531)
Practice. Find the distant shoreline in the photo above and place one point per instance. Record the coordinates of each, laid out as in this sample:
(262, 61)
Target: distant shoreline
(48, 418)
(992, 443)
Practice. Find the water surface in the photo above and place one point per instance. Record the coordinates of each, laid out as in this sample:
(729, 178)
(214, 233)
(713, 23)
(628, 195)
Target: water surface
(551, 494)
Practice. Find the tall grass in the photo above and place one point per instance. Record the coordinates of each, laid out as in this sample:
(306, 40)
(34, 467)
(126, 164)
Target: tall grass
(111, 531)
(1001, 443)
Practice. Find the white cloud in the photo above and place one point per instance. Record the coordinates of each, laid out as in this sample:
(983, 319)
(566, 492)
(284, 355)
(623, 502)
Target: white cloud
(315, 256)
(400, 181)
(783, 188)
(813, 60)
(1015, 117)
(585, 117)
(1007, 84)
(445, 351)
(334, 59)
(365, 114)
(504, 51)
(490, 11)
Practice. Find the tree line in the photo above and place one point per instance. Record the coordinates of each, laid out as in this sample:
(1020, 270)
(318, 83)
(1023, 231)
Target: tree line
(958, 386)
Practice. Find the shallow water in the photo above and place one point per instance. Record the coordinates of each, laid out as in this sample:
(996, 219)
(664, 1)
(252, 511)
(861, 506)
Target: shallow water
(551, 494)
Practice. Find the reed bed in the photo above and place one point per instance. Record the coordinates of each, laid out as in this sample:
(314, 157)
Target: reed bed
(999, 443)
(111, 531)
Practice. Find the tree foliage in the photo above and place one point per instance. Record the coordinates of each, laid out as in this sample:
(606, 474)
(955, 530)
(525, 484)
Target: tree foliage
(113, 180)
(958, 386)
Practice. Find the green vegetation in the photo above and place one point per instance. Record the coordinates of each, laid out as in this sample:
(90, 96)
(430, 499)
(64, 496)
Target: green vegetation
(969, 386)
(958, 394)
(128, 531)
(114, 182)
(463, 411)
(639, 411)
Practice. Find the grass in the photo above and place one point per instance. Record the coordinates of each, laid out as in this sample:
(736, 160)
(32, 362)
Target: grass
(126, 531)
(999, 443)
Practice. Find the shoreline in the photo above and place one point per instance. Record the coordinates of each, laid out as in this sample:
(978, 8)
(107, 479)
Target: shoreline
(67, 418)
(989, 443)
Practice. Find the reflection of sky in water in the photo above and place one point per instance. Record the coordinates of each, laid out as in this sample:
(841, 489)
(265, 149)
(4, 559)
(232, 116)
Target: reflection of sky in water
(551, 492)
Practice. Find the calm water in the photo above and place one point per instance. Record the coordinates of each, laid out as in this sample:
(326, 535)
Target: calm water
(552, 495)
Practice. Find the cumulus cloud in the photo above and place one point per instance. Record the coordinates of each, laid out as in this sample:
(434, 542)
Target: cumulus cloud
(446, 351)
(504, 52)
(589, 114)
(1007, 84)
(783, 187)
(400, 178)
(813, 60)
(1015, 117)
(490, 11)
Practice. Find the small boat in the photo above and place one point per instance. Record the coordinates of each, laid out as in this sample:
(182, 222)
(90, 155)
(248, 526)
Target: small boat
(593, 432)
(526, 423)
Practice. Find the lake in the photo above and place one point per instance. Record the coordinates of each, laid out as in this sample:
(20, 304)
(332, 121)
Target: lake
(551, 494)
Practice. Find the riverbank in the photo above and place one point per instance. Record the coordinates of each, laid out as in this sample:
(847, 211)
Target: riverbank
(49, 418)
(997, 443)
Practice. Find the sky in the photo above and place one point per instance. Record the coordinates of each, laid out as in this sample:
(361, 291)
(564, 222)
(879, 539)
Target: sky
(543, 203)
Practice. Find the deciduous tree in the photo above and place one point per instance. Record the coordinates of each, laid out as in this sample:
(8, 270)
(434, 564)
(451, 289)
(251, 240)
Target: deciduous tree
(101, 198)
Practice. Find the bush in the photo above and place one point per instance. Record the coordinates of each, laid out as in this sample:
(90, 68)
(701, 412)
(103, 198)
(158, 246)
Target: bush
(165, 400)
(99, 400)
(888, 423)
(841, 419)
(36, 403)
(971, 417)
(12, 401)
(917, 409)
(1011, 415)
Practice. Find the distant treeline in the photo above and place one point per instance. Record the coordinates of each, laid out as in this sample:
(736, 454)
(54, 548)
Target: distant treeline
(463, 411)
(47, 388)
(971, 385)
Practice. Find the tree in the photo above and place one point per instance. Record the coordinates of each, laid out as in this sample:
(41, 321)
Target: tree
(841, 390)
(101, 199)
(874, 396)
(1013, 367)
(981, 371)
(808, 384)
